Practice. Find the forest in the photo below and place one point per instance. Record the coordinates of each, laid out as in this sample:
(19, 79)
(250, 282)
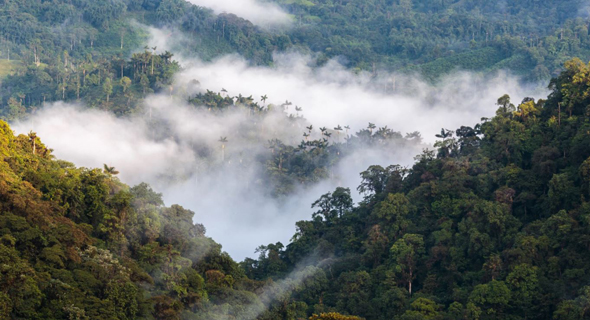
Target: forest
(491, 221)
(82, 51)
(492, 224)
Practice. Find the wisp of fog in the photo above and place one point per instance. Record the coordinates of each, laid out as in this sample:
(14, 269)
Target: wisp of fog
(177, 151)
(264, 14)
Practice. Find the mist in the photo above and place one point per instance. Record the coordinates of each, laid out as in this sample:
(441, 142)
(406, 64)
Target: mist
(177, 151)
(264, 14)
(332, 95)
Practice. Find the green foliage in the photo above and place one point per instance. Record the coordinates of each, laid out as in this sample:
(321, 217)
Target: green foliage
(62, 50)
(492, 227)
(494, 224)
(436, 37)
(333, 316)
(7, 67)
(76, 243)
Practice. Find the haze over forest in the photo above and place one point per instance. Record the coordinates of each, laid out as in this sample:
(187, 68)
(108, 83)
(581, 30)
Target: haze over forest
(294, 159)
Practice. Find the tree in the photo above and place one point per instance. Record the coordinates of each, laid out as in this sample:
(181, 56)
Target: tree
(394, 211)
(406, 253)
(525, 287)
(33, 139)
(145, 83)
(377, 179)
(333, 316)
(493, 298)
(110, 170)
(447, 146)
(506, 107)
(223, 141)
(333, 205)
(371, 126)
(423, 309)
(107, 88)
(338, 129)
(125, 83)
(263, 99)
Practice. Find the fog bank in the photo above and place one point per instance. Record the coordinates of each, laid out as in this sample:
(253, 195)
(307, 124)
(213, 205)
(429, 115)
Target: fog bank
(178, 151)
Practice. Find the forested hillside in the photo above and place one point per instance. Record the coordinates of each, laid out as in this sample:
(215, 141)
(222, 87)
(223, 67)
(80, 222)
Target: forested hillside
(78, 244)
(82, 50)
(89, 51)
(530, 38)
(493, 224)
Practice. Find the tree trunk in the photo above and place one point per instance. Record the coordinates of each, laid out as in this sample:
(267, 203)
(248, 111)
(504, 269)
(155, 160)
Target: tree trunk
(410, 282)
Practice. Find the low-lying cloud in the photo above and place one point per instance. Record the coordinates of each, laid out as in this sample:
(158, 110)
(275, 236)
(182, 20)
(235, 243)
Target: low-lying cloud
(264, 14)
(177, 150)
(333, 95)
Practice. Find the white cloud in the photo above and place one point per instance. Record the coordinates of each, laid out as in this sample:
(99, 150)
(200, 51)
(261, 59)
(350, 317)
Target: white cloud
(181, 157)
(260, 13)
(332, 95)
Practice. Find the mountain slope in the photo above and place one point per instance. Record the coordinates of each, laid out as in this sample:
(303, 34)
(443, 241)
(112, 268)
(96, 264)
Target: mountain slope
(78, 244)
(494, 225)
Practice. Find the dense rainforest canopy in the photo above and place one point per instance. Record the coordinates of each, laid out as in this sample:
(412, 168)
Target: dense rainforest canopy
(82, 50)
(493, 223)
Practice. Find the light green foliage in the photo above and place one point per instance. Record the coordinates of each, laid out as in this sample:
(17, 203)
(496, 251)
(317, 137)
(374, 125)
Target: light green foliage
(7, 67)
(422, 308)
(333, 316)
(76, 243)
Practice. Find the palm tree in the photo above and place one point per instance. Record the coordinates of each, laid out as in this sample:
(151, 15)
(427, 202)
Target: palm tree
(338, 129)
(298, 109)
(347, 128)
(444, 133)
(263, 99)
(309, 128)
(447, 144)
(153, 55)
(110, 170)
(286, 105)
(371, 127)
(223, 141)
(224, 92)
(306, 135)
